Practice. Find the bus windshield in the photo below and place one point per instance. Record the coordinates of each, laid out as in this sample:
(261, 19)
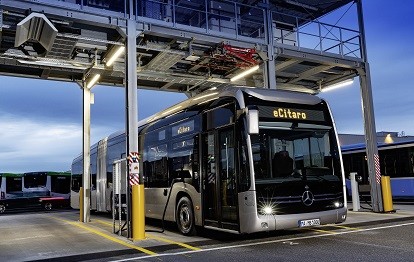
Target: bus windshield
(295, 154)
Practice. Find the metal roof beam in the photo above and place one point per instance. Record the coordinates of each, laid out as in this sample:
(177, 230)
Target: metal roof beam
(310, 72)
(307, 55)
(286, 64)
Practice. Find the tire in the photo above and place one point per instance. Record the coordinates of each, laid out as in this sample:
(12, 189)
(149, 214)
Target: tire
(2, 208)
(185, 217)
(48, 206)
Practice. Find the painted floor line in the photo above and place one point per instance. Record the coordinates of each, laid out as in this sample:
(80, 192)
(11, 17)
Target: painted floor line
(114, 239)
(161, 239)
(265, 242)
(322, 231)
(345, 227)
(172, 242)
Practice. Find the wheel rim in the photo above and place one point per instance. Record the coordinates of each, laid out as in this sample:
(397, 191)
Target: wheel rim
(2, 208)
(48, 206)
(185, 218)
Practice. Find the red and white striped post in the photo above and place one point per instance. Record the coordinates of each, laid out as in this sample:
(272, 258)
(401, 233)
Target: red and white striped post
(138, 200)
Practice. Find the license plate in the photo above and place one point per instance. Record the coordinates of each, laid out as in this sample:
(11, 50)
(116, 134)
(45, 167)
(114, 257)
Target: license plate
(309, 222)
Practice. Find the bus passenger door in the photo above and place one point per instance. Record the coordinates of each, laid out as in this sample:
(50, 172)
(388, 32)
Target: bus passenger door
(219, 196)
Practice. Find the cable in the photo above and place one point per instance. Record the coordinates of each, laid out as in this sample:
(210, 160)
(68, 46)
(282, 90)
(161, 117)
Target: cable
(165, 208)
(366, 202)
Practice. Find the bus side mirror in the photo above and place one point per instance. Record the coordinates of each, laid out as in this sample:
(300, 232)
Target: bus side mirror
(253, 121)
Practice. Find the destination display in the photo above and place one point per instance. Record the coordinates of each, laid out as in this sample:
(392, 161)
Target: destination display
(183, 128)
(286, 113)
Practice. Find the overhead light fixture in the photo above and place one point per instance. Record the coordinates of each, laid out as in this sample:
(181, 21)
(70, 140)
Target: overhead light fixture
(338, 85)
(93, 81)
(244, 73)
(115, 56)
(192, 58)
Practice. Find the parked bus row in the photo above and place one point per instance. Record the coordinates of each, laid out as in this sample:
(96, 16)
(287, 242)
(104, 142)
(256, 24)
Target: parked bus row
(396, 161)
(238, 159)
(34, 189)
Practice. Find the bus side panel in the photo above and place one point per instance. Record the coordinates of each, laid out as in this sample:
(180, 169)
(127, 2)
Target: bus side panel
(156, 199)
(74, 199)
(93, 200)
(249, 221)
(402, 187)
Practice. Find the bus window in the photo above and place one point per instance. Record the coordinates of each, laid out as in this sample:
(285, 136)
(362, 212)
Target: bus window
(180, 158)
(34, 181)
(155, 166)
(411, 165)
(226, 174)
(219, 117)
(60, 184)
(244, 178)
(13, 184)
(76, 182)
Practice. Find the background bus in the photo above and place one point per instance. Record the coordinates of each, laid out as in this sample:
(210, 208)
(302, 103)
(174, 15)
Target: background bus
(396, 161)
(34, 189)
(221, 155)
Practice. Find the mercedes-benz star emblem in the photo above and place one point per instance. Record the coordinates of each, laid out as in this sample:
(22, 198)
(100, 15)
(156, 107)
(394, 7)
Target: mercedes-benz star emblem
(307, 198)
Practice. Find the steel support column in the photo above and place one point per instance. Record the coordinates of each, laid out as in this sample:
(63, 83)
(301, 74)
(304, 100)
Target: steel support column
(131, 101)
(371, 139)
(269, 72)
(369, 120)
(86, 138)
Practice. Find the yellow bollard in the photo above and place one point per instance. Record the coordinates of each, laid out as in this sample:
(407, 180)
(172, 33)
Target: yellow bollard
(138, 212)
(81, 204)
(386, 193)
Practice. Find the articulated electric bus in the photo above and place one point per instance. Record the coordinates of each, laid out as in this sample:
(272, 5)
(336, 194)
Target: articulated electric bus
(238, 159)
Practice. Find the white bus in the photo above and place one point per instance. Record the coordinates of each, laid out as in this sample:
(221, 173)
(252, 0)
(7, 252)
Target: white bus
(246, 159)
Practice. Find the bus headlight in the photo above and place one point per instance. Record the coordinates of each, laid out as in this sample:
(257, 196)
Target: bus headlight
(338, 204)
(267, 210)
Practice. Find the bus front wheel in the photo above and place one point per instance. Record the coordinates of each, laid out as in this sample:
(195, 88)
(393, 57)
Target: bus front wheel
(185, 217)
(2, 208)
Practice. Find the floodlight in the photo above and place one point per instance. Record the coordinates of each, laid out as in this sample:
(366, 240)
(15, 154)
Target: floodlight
(115, 56)
(338, 85)
(244, 73)
(92, 81)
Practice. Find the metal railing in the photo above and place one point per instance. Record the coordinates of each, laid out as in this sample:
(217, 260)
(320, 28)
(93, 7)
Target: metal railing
(227, 17)
(234, 20)
(315, 35)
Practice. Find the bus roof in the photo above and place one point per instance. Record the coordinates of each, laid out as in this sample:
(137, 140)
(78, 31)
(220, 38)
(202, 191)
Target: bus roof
(361, 147)
(236, 91)
(48, 173)
(11, 174)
